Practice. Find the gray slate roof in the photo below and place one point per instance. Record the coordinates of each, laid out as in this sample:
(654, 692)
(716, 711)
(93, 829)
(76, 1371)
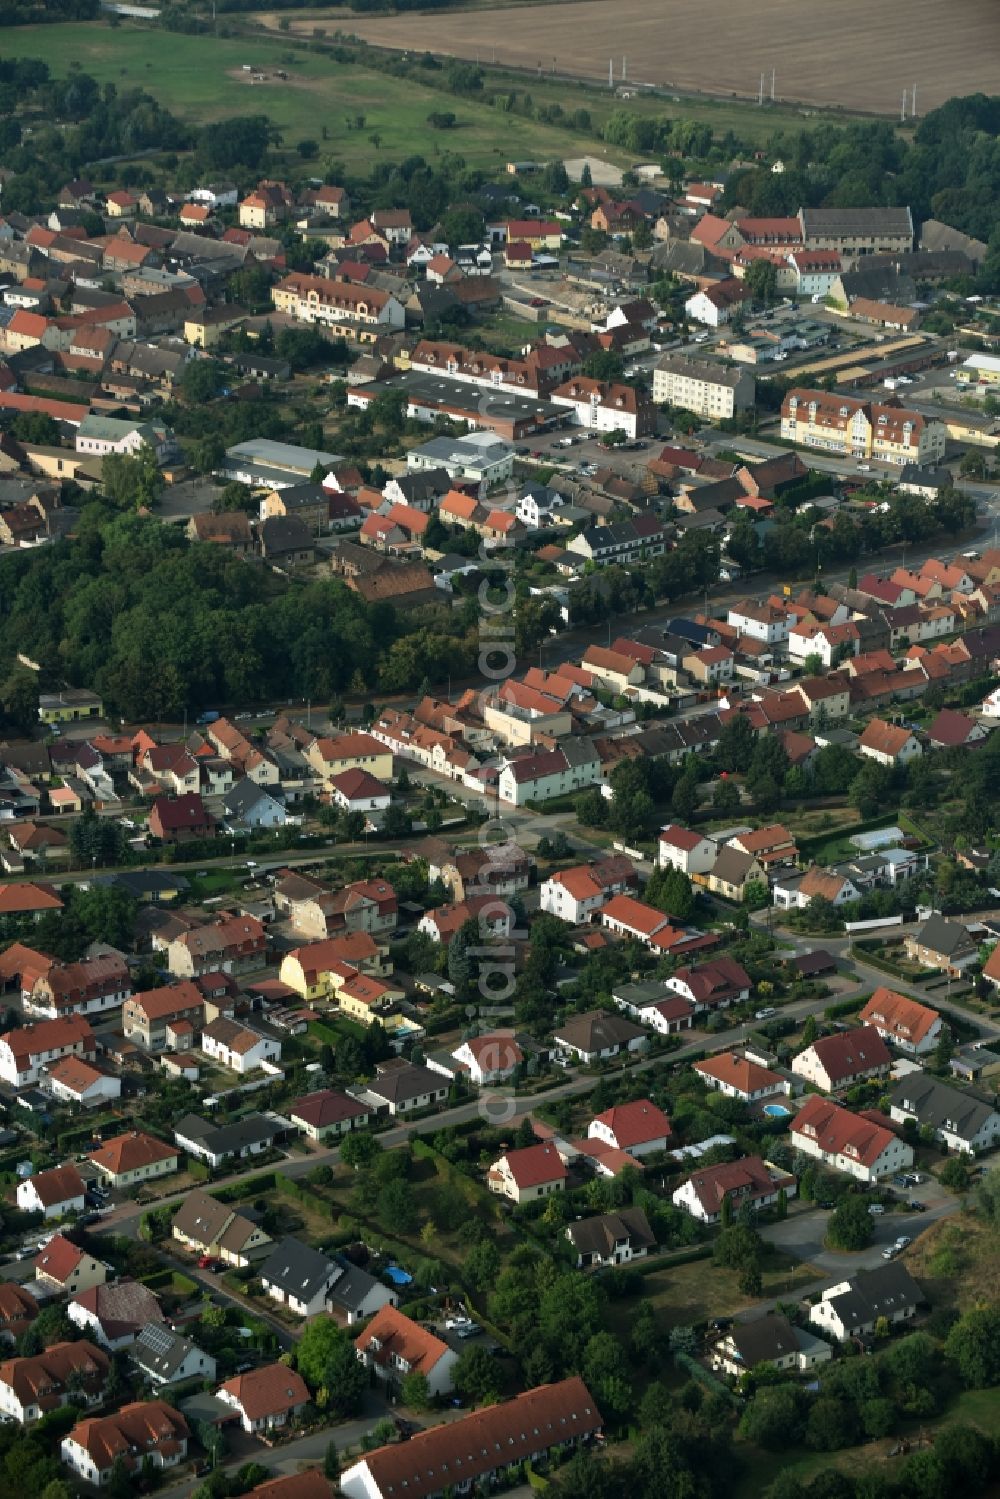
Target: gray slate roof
(958, 1110)
(881, 1292)
(298, 1270)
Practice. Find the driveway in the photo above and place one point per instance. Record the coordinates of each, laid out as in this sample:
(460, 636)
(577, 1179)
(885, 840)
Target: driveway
(801, 1234)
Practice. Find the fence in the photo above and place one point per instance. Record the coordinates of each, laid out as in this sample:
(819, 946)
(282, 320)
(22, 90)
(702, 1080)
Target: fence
(869, 926)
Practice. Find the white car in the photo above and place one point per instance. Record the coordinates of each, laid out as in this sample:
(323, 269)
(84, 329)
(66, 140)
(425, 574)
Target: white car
(876, 1209)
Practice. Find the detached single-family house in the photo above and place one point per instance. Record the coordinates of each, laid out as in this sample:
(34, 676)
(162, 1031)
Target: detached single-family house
(134, 1158)
(115, 1313)
(577, 895)
(942, 944)
(265, 1398)
(888, 743)
(712, 986)
(52, 1193)
(394, 1346)
(163, 1357)
(907, 1024)
(690, 852)
(493, 1058)
(611, 1238)
(328, 1112)
(843, 1059)
(738, 1077)
(854, 1143)
(750, 1180)
(851, 1308)
(238, 1047)
(597, 1035)
(639, 1127)
(529, 1173)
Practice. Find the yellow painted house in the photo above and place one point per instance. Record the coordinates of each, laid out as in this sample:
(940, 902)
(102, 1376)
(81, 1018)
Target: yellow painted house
(331, 757)
(205, 327)
(69, 706)
(366, 999)
(314, 969)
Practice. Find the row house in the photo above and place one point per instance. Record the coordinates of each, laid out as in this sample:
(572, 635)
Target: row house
(148, 1431)
(26, 1052)
(233, 944)
(538, 776)
(31, 1387)
(859, 429)
(167, 1017)
(361, 312)
(487, 1447)
(84, 988)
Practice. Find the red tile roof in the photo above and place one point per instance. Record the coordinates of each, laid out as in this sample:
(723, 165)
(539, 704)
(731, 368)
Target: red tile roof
(635, 1123)
(739, 1073)
(483, 1441)
(398, 1337)
(903, 1018)
(535, 1164)
(850, 1054)
(130, 1152)
(839, 1132)
(60, 1184)
(271, 1391)
(58, 1259)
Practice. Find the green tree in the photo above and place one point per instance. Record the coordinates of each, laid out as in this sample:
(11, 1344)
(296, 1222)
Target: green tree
(762, 282)
(331, 1461)
(850, 1225)
(359, 1148)
(132, 483)
(476, 1376)
(973, 1346)
(415, 1390)
(773, 1419)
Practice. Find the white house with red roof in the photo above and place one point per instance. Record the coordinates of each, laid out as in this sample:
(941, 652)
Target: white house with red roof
(738, 1077)
(134, 1158)
(905, 1022)
(529, 1173)
(492, 1058)
(393, 1345)
(265, 1398)
(327, 1112)
(639, 1127)
(854, 1143)
(843, 1059)
(25, 1052)
(712, 986)
(52, 1193)
(633, 918)
(750, 1180)
(577, 895)
(683, 849)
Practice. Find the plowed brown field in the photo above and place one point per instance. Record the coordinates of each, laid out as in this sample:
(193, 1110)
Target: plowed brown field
(856, 54)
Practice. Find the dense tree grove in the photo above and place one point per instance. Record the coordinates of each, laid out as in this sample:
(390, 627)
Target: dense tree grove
(158, 625)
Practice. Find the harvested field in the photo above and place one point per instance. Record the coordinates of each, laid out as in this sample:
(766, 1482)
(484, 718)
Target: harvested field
(828, 56)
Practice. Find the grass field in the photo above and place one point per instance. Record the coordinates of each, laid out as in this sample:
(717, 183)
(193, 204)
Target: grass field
(205, 81)
(832, 57)
(684, 1295)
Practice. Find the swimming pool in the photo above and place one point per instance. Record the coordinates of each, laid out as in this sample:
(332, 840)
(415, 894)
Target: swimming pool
(397, 1276)
(776, 1111)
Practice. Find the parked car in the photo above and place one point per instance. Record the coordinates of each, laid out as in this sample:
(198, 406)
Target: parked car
(918, 1207)
(876, 1209)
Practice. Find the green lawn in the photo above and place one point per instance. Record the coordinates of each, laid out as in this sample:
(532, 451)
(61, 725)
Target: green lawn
(205, 81)
(742, 117)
